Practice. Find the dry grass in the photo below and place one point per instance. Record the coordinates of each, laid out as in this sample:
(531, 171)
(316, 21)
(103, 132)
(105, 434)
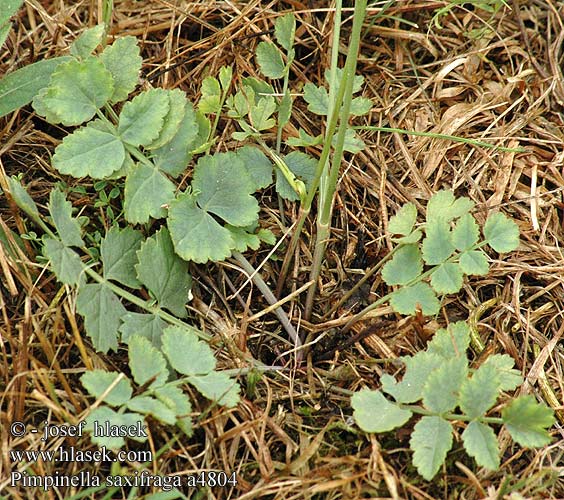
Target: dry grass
(490, 77)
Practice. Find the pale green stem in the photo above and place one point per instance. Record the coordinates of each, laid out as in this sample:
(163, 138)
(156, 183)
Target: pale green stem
(324, 217)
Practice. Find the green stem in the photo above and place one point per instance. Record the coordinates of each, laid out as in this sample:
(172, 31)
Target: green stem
(324, 217)
(449, 416)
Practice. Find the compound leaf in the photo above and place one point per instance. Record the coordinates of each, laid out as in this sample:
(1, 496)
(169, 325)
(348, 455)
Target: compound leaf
(441, 391)
(501, 233)
(260, 114)
(89, 39)
(405, 266)
(164, 273)
(417, 370)
(89, 152)
(123, 60)
(119, 254)
(210, 100)
(408, 299)
(303, 168)
(527, 421)
(285, 29)
(444, 206)
(450, 342)
(141, 119)
(257, 165)
(149, 326)
(270, 60)
(225, 188)
(146, 193)
(146, 362)
(173, 157)
(76, 91)
(317, 99)
(196, 235)
(404, 221)
(479, 393)
(509, 378)
(466, 233)
(102, 311)
(65, 262)
(67, 226)
(374, 413)
(218, 387)
(430, 441)
(173, 119)
(480, 442)
(437, 245)
(151, 406)
(186, 353)
(474, 262)
(104, 416)
(447, 278)
(97, 382)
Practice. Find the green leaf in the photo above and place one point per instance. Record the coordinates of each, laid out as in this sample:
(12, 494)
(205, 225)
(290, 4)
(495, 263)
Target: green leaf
(76, 91)
(259, 88)
(360, 106)
(447, 278)
(466, 233)
(303, 167)
(501, 233)
(9, 9)
(225, 188)
(418, 369)
(509, 378)
(119, 254)
(353, 143)
(150, 406)
(257, 165)
(405, 266)
(177, 105)
(260, 115)
(442, 388)
(102, 311)
(225, 77)
(164, 273)
(89, 152)
(285, 110)
(19, 87)
(374, 413)
(67, 226)
(174, 156)
(210, 100)
(430, 441)
(65, 262)
(450, 342)
(444, 206)
(146, 362)
(410, 239)
(174, 398)
(408, 299)
(305, 140)
(123, 60)
(103, 416)
(141, 119)
(357, 81)
(97, 382)
(404, 221)
(196, 235)
(285, 29)
(480, 442)
(474, 262)
(317, 99)
(147, 191)
(149, 326)
(270, 60)
(186, 353)
(23, 200)
(437, 245)
(479, 393)
(527, 421)
(218, 387)
(88, 40)
(243, 240)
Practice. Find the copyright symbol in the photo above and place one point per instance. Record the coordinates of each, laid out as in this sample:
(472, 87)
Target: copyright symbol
(17, 429)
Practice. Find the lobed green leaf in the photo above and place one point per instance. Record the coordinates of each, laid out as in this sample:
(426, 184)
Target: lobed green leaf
(374, 413)
(474, 262)
(501, 233)
(210, 99)
(437, 245)
(404, 221)
(270, 60)
(174, 398)
(405, 266)
(173, 119)
(466, 233)
(146, 362)
(149, 326)
(317, 99)
(257, 165)
(118, 251)
(430, 441)
(65, 262)
(480, 442)
(450, 342)
(527, 421)
(447, 278)
(123, 60)
(88, 40)
(509, 378)
(444, 206)
(218, 387)
(442, 388)
(97, 382)
(106, 416)
(479, 393)
(151, 406)
(285, 29)
(303, 167)
(410, 299)
(186, 353)
(67, 226)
